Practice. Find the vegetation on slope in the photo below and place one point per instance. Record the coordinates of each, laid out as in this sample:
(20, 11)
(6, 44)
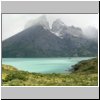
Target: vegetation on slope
(87, 66)
(84, 74)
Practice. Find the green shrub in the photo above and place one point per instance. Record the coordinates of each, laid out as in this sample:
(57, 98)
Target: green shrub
(16, 82)
(16, 75)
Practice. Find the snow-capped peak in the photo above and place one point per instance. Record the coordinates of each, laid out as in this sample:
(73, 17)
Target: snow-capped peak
(57, 25)
(57, 28)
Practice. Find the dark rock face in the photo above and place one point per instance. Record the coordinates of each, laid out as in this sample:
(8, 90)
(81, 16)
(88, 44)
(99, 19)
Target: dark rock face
(40, 41)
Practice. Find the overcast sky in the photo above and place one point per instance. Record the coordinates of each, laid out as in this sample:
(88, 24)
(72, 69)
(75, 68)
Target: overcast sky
(14, 23)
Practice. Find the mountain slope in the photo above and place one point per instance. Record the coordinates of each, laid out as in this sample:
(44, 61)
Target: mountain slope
(38, 40)
(33, 42)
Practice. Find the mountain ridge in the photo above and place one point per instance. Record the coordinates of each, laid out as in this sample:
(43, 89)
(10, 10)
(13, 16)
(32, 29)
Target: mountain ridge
(38, 40)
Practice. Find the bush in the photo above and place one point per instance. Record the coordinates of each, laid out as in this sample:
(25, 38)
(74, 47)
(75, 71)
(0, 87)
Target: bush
(16, 82)
(16, 75)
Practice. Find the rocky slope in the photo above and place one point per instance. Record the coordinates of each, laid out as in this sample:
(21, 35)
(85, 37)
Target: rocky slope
(38, 40)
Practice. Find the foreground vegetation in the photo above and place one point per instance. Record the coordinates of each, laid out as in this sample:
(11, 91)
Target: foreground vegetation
(84, 73)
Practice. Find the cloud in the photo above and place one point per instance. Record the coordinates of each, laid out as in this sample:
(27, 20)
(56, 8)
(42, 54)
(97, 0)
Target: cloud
(14, 23)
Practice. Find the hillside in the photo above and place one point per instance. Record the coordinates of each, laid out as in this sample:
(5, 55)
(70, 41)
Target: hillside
(84, 74)
(38, 40)
(88, 66)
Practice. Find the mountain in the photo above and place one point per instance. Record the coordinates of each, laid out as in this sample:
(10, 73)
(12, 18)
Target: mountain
(76, 42)
(38, 40)
(40, 21)
(60, 29)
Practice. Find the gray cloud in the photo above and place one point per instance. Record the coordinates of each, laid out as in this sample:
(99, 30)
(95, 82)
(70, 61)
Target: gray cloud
(14, 23)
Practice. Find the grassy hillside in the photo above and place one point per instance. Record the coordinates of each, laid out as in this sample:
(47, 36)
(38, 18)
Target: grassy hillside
(84, 74)
(87, 66)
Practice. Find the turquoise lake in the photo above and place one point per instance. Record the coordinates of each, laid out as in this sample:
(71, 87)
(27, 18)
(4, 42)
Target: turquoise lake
(44, 65)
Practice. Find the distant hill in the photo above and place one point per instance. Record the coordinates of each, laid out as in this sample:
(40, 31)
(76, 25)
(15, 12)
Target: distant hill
(87, 66)
(38, 40)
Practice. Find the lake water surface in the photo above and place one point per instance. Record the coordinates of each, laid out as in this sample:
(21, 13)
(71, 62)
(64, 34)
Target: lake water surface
(44, 65)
